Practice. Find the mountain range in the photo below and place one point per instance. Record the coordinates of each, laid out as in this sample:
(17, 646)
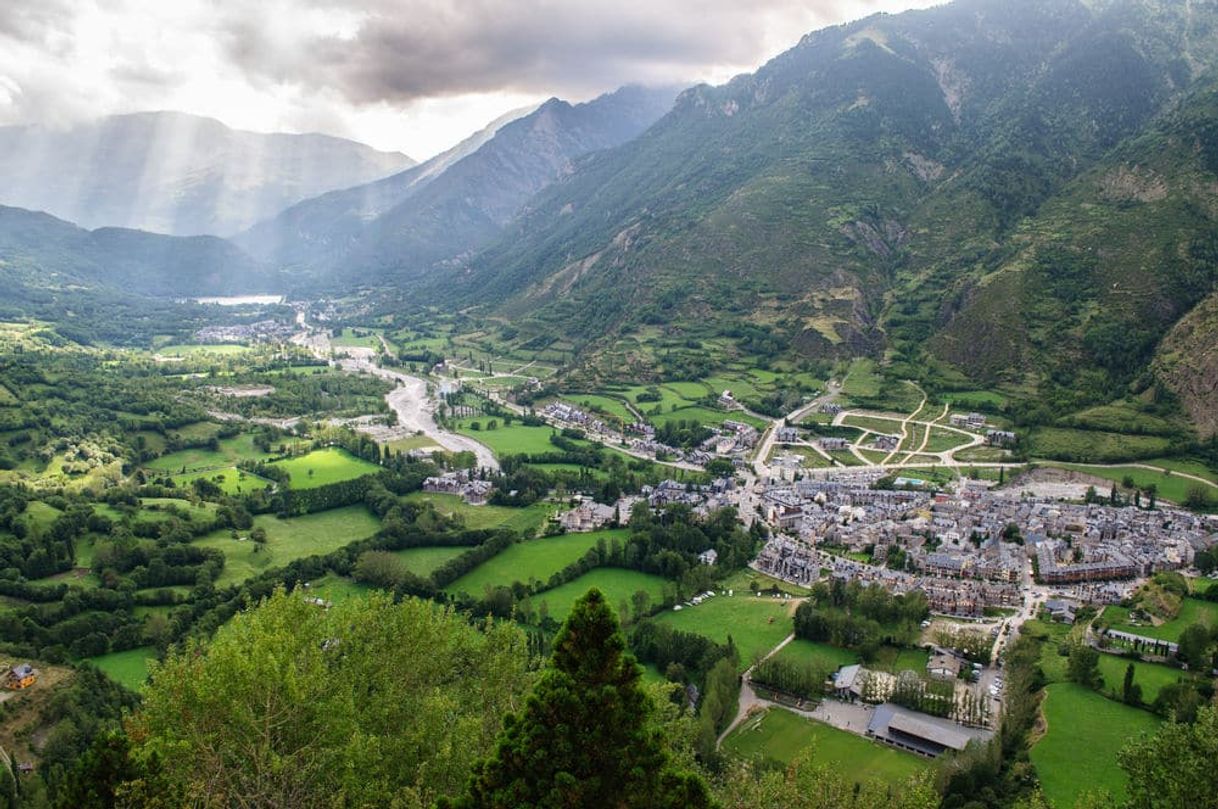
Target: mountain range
(177, 174)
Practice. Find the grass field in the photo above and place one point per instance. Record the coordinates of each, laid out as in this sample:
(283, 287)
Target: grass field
(1192, 611)
(1079, 751)
(592, 402)
(525, 520)
(128, 668)
(350, 339)
(756, 625)
(325, 466)
(289, 539)
(532, 559)
(335, 588)
(862, 380)
(186, 349)
(1092, 446)
(617, 584)
(813, 653)
(780, 735)
(230, 480)
(1167, 486)
(238, 448)
(424, 561)
(706, 416)
(518, 439)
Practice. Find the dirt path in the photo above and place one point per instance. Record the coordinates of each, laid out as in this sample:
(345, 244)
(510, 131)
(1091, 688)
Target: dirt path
(748, 697)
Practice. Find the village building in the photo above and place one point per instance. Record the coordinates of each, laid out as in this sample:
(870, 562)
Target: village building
(919, 733)
(21, 676)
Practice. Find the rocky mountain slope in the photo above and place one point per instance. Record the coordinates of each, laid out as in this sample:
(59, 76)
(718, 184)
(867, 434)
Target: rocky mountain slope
(174, 173)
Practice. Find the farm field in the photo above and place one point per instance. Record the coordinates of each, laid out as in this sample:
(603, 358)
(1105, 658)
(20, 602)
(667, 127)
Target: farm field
(230, 480)
(334, 588)
(756, 625)
(424, 561)
(524, 520)
(1167, 487)
(289, 539)
(517, 439)
(1192, 611)
(531, 559)
(617, 584)
(128, 668)
(780, 735)
(1079, 750)
(356, 338)
(324, 466)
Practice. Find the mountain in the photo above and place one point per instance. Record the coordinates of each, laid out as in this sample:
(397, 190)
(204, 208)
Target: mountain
(178, 174)
(40, 252)
(404, 226)
(983, 193)
(320, 229)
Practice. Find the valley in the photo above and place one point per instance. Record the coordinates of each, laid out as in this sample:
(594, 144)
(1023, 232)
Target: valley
(841, 436)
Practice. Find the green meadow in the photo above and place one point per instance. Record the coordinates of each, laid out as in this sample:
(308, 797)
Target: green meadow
(531, 559)
(325, 466)
(525, 520)
(618, 585)
(756, 625)
(128, 668)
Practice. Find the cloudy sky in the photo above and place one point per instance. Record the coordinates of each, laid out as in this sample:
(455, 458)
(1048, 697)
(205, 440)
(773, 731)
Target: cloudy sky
(412, 75)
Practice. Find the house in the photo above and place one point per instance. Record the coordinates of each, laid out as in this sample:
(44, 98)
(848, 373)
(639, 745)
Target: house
(943, 666)
(1000, 438)
(726, 400)
(708, 557)
(848, 682)
(976, 420)
(22, 676)
(831, 444)
(918, 733)
(886, 442)
(1061, 610)
(958, 420)
(787, 435)
(587, 516)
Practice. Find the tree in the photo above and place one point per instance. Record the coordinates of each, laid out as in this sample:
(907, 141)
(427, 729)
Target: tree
(1175, 767)
(585, 737)
(1193, 644)
(1197, 497)
(1131, 692)
(1084, 666)
(357, 705)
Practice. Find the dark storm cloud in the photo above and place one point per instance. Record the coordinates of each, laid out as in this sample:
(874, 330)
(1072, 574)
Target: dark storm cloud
(401, 51)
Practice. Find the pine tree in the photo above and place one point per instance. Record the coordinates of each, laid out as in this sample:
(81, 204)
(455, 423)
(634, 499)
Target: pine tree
(585, 738)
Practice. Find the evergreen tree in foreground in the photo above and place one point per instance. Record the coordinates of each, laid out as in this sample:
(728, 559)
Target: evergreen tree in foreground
(585, 738)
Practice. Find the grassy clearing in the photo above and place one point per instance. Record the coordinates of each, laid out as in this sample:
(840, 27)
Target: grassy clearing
(526, 521)
(357, 338)
(532, 559)
(873, 423)
(1078, 753)
(335, 588)
(231, 451)
(324, 466)
(705, 415)
(230, 480)
(979, 399)
(1192, 611)
(862, 380)
(942, 440)
(425, 561)
(780, 735)
(517, 439)
(617, 584)
(756, 625)
(128, 668)
(412, 442)
(896, 660)
(814, 653)
(290, 539)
